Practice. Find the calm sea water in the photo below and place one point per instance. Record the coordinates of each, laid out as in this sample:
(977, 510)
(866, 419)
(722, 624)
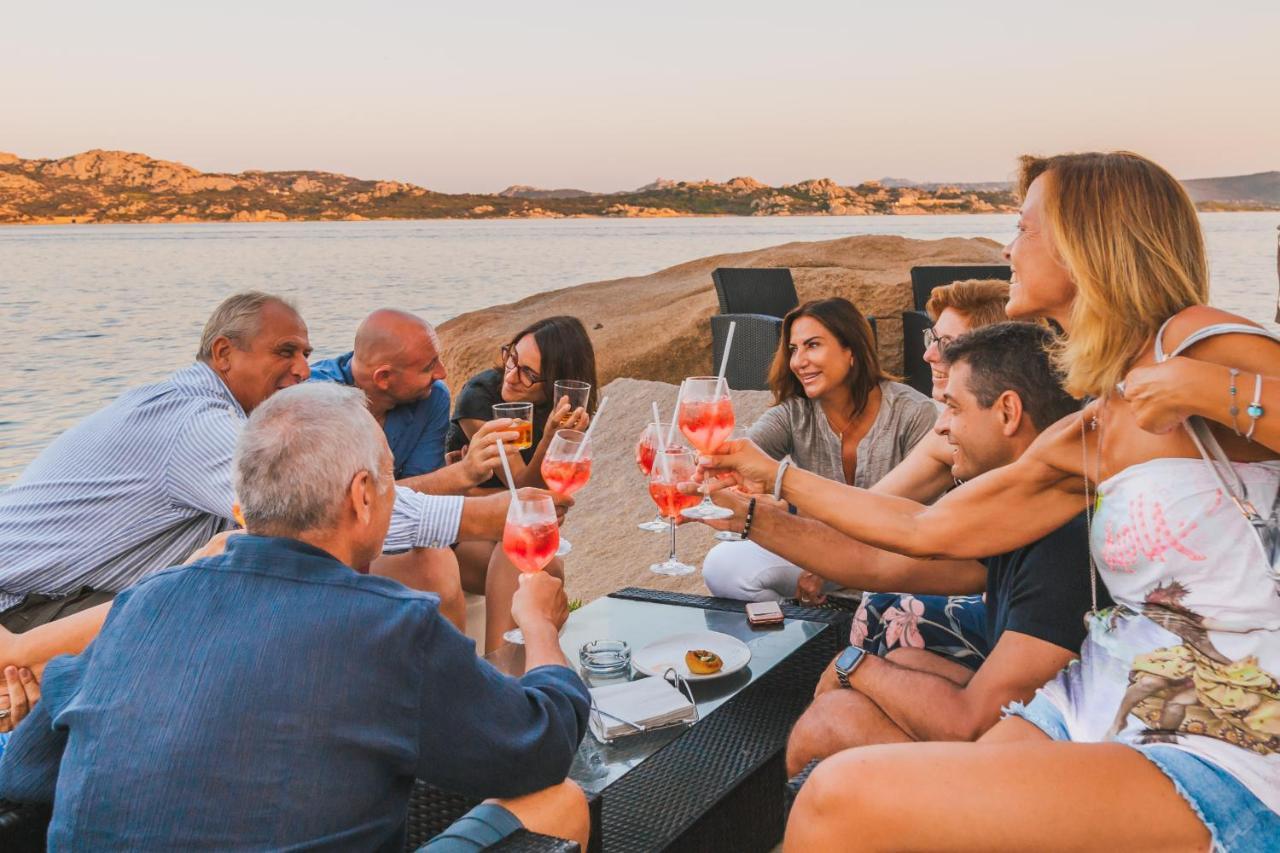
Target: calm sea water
(91, 310)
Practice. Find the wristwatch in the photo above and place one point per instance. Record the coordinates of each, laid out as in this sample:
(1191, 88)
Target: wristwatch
(848, 661)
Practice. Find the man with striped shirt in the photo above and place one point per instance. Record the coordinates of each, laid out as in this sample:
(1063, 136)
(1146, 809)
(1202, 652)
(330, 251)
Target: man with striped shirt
(142, 483)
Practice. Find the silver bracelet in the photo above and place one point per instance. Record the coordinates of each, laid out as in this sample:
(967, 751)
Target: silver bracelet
(1255, 409)
(1234, 409)
(777, 480)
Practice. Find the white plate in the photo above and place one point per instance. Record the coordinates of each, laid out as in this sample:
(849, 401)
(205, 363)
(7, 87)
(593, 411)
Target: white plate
(656, 658)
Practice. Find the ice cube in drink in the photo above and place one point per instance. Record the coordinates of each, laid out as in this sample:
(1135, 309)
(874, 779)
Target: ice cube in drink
(565, 476)
(644, 457)
(707, 424)
(525, 430)
(670, 499)
(531, 546)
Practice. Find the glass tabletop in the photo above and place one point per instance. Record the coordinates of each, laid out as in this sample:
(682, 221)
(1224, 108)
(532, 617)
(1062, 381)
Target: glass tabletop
(640, 623)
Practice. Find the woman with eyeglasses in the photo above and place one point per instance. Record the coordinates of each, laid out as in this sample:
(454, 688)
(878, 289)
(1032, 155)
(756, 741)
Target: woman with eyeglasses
(550, 350)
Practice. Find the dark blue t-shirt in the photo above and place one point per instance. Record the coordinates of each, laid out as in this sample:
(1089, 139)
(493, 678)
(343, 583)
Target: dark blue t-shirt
(415, 431)
(1042, 589)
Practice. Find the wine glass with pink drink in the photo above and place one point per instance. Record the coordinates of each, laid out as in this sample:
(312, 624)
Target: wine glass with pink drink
(706, 419)
(670, 470)
(646, 449)
(566, 467)
(530, 539)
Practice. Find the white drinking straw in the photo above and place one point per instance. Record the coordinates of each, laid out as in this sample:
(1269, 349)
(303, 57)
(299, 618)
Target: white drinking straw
(657, 429)
(506, 466)
(675, 416)
(724, 360)
(595, 419)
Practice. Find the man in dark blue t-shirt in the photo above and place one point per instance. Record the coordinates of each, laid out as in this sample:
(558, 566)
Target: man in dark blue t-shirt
(893, 685)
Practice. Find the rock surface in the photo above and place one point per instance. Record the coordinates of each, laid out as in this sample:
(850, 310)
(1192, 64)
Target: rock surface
(657, 326)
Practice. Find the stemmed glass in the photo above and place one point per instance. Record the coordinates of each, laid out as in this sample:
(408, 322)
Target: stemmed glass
(529, 538)
(566, 467)
(670, 469)
(646, 450)
(729, 535)
(706, 419)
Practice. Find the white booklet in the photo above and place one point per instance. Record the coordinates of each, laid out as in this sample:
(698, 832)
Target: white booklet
(637, 706)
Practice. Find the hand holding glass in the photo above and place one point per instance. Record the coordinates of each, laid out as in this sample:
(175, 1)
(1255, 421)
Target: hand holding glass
(706, 419)
(529, 539)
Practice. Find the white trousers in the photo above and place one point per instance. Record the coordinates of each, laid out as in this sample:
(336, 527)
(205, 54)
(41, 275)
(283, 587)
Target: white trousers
(744, 571)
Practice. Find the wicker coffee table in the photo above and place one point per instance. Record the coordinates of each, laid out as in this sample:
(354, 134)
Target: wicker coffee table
(718, 784)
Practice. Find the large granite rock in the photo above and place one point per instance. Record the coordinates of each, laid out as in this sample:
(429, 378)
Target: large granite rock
(657, 327)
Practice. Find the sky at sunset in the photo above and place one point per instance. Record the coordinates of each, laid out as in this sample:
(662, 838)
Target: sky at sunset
(607, 96)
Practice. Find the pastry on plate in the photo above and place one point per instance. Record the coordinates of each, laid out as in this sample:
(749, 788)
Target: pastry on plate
(702, 662)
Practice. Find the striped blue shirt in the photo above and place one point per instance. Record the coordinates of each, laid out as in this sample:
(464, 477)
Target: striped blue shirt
(140, 484)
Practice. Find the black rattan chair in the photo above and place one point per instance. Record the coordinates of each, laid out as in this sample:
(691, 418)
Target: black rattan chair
(925, 279)
(756, 300)
(915, 371)
(755, 291)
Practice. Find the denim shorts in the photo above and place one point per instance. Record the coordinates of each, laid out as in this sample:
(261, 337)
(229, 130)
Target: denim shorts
(1238, 822)
(483, 826)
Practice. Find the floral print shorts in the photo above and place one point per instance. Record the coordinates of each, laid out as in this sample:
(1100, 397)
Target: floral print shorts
(954, 627)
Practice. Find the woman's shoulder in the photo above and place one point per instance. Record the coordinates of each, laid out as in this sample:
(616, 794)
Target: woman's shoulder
(904, 396)
(484, 388)
(1188, 321)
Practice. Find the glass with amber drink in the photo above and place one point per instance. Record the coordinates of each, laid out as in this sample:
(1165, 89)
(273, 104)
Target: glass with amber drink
(706, 419)
(670, 470)
(566, 467)
(522, 414)
(530, 539)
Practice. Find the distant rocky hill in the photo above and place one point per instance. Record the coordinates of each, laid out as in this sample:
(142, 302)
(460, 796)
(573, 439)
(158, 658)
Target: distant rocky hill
(119, 186)
(1260, 191)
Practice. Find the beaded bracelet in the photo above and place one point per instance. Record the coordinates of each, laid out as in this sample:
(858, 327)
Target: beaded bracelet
(1255, 410)
(751, 513)
(1234, 410)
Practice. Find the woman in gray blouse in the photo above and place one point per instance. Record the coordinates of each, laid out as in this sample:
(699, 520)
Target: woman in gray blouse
(835, 413)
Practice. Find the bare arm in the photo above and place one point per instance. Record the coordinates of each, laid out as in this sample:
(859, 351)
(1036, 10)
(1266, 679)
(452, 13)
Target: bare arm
(67, 636)
(997, 512)
(476, 466)
(923, 475)
(930, 707)
(828, 553)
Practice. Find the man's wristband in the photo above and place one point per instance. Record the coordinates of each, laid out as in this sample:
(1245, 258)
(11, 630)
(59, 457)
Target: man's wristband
(777, 479)
(751, 514)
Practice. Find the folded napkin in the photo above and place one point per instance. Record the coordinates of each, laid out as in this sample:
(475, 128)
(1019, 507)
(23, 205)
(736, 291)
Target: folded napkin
(650, 702)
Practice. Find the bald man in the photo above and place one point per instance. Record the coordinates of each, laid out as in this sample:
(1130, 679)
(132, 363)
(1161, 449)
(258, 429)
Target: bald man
(396, 363)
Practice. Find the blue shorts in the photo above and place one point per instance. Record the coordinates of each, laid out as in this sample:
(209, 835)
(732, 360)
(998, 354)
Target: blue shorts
(483, 826)
(1238, 822)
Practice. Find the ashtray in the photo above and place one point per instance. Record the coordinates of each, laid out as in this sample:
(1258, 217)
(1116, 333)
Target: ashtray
(605, 657)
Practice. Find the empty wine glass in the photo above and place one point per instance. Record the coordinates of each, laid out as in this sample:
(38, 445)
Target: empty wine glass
(566, 467)
(529, 539)
(670, 469)
(646, 449)
(706, 419)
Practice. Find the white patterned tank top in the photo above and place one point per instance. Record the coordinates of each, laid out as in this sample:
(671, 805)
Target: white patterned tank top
(1190, 656)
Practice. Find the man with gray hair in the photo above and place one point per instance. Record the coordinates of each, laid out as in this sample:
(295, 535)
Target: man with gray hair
(142, 483)
(285, 700)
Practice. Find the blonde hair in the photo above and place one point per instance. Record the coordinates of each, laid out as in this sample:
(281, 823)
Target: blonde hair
(981, 301)
(1130, 239)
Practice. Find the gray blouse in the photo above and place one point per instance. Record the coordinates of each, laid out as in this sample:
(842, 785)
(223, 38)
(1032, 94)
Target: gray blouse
(798, 427)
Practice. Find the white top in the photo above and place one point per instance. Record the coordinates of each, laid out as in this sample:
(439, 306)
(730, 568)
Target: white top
(1189, 657)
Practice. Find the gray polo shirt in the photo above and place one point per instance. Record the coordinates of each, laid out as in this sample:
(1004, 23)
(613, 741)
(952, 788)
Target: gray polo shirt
(799, 428)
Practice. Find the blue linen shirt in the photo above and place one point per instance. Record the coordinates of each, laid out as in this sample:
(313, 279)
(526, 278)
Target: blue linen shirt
(415, 431)
(143, 482)
(270, 697)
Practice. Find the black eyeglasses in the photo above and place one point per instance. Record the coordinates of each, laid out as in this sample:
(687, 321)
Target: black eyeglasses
(932, 337)
(510, 361)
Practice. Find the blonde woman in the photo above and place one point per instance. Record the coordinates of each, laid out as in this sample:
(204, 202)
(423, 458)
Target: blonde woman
(1166, 735)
